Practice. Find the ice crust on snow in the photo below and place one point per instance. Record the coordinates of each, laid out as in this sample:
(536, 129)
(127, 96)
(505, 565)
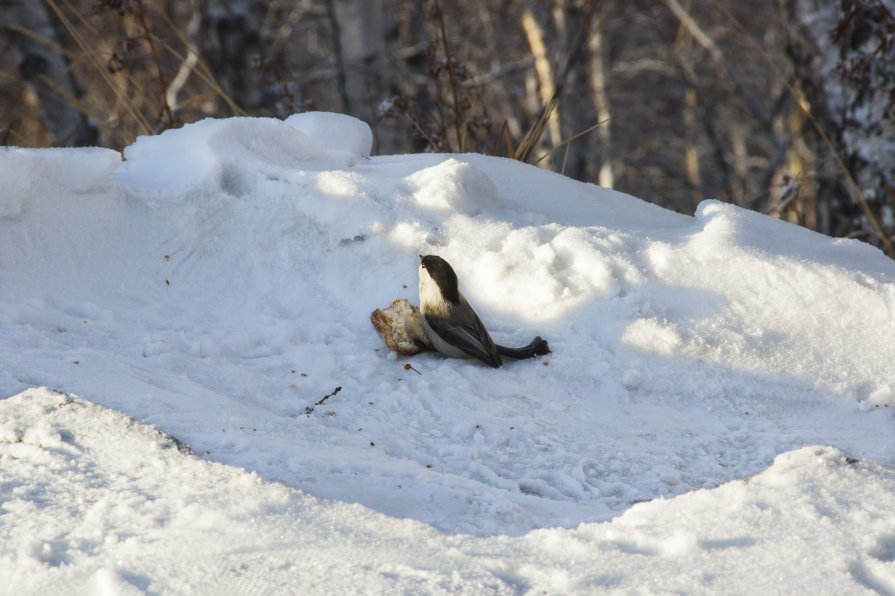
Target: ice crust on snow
(218, 282)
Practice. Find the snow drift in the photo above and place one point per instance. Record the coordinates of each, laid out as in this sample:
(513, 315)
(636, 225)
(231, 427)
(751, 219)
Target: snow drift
(218, 282)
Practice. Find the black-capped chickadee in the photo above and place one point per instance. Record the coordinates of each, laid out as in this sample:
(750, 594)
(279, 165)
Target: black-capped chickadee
(451, 323)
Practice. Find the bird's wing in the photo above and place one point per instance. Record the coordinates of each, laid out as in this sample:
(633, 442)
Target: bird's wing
(467, 334)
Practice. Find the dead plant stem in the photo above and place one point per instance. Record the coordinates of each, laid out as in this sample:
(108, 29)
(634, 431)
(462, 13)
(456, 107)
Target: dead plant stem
(450, 70)
(158, 64)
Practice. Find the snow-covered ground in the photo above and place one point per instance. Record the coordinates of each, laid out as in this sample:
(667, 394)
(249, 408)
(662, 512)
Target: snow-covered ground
(716, 415)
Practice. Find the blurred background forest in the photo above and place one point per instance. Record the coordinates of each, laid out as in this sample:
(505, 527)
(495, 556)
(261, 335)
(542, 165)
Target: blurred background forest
(786, 107)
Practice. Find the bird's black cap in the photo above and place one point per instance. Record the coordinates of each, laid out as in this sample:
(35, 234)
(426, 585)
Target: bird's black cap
(443, 274)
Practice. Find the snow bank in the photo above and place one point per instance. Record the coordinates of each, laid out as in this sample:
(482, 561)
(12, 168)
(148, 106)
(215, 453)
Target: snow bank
(102, 504)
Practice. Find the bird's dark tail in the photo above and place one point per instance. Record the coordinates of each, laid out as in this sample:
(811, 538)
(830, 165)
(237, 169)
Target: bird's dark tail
(537, 347)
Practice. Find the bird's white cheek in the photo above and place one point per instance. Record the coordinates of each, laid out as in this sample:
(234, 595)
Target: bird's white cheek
(431, 300)
(429, 294)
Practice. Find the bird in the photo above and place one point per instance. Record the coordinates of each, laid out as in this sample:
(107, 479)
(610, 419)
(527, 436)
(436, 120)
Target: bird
(453, 326)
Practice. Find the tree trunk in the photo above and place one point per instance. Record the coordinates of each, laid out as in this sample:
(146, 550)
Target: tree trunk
(364, 74)
(44, 68)
(599, 79)
(842, 59)
(232, 45)
(534, 33)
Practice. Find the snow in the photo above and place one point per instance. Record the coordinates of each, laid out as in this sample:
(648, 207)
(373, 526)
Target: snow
(716, 415)
(103, 504)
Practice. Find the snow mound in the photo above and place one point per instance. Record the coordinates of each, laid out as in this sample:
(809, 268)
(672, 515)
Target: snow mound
(334, 132)
(453, 186)
(27, 172)
(232, 155)
(95, 502)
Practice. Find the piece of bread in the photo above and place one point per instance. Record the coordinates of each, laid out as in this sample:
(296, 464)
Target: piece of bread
(401, 327)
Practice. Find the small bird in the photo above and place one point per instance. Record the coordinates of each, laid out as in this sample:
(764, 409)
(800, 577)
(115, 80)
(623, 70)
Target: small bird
(452, 325)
